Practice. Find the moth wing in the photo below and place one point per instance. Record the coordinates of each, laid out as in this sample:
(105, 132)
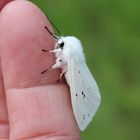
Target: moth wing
(85, 95)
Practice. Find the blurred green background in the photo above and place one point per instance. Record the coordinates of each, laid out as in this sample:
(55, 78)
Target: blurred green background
(110, 33)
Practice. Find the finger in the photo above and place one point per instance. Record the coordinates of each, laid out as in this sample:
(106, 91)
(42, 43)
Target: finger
(4, 124)
(25, 46)
(37, 106)
(3, 2)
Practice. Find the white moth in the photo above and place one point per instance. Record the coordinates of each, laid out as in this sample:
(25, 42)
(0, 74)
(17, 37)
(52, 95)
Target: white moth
(85, 95)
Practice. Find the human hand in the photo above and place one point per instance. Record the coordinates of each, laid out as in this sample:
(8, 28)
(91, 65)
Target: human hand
(38, 107)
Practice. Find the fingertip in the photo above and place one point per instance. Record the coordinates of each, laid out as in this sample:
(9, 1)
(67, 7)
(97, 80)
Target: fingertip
(22, 37)
(3, 3)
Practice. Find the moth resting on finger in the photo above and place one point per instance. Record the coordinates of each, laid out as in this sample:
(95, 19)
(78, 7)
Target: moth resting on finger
(85, 95)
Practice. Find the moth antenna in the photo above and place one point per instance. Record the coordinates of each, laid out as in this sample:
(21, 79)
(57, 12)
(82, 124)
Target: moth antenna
(54, 26)
(51, 33)
(56, 37)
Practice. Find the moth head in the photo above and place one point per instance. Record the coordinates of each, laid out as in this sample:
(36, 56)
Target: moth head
(60, 43)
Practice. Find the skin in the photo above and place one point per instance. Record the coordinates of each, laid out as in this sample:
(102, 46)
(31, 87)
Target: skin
(3, 2)
(32, 106)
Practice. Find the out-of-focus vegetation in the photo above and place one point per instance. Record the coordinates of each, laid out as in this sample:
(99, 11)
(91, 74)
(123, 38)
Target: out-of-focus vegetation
(110, 33)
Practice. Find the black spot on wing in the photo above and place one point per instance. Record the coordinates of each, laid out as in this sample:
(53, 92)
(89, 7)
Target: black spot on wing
(84, 116)
(83, 94)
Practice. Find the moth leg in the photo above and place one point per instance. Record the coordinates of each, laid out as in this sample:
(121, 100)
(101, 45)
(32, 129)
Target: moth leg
(52, 51)
(45, 50)
(62, 73)
(46, 71)
(55, 66)
(60, 77)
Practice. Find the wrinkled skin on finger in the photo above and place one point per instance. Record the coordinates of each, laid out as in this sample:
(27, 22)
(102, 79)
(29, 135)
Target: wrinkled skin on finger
(4, 122)
(38, 107)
